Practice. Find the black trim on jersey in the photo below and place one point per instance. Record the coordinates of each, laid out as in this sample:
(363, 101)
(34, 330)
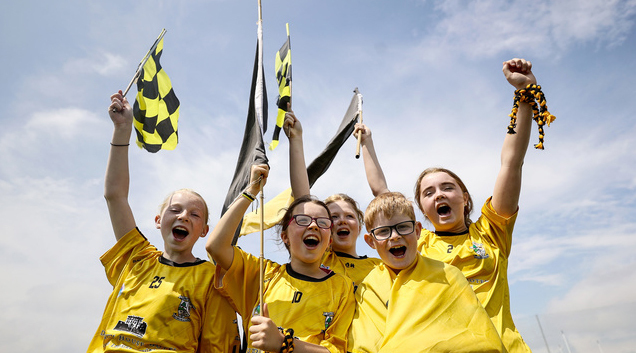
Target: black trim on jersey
(291, 272)
(165, 261)
(343, 254)
(450, 234)
(140, 233)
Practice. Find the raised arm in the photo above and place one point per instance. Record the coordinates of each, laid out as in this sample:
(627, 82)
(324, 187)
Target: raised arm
(372, 168)
(297, 167)
(219, 244)
(505, 199)
(117, 178)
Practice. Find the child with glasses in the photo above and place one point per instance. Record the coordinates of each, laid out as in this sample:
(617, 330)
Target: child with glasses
(480, 249)
(348, 219)
(161, 300)
(307, 308)
(410, 303)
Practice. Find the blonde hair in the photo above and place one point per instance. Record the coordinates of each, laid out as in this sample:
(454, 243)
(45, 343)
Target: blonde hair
(388, 205)
(348, 199)
(166, 202)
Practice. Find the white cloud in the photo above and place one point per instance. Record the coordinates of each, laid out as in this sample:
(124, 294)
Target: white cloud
(541, 28)
(101, 62)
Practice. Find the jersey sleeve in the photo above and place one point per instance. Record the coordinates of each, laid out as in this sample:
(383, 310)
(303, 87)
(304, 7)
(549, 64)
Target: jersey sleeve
(116, 259)
(496, 228)
(240, 284)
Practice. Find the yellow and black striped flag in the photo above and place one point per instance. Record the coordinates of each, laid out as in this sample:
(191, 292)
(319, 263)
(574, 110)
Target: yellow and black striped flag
(156, 108)
(284, 77)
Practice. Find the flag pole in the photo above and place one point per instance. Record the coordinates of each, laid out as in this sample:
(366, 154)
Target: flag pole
(262, 254)
(290, 82)
(144, 60)
(360, 114)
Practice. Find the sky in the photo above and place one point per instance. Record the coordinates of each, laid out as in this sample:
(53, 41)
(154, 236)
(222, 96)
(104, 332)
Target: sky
(434, 95)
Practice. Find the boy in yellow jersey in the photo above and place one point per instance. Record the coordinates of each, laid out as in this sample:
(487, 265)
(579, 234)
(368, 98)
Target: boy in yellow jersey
(161, 300)
(410, 303)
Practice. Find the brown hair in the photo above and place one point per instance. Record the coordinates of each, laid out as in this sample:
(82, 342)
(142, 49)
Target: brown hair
(468, 208)
(388, 204)
(289, 212)
(166, 202)
(346, 198)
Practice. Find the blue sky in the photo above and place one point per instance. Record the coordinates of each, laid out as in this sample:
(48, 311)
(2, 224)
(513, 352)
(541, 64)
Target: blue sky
(434, 95)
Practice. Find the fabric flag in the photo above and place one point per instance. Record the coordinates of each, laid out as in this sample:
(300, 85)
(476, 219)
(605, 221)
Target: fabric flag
(274, 208)
(156, 108)
(253, 149)
(283, 77)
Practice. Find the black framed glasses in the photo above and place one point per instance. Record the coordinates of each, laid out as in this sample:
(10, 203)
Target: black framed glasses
(304, 220)
(384, 232)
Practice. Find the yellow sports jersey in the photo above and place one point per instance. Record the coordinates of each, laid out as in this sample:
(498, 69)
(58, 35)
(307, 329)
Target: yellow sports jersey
(319, 310)
(427, 307)
(159, 306)
(482, 256)
(355, 268)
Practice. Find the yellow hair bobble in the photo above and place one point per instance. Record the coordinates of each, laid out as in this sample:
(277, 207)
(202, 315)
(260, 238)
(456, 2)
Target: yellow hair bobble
(542, 116)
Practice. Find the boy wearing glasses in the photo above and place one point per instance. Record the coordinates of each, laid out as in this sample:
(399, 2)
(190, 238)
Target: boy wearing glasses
(410, 303)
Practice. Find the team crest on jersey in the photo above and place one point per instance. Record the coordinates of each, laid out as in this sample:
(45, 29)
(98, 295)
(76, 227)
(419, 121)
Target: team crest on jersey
(134, 325)
(183, 311)
(480, 252)
(328, 319)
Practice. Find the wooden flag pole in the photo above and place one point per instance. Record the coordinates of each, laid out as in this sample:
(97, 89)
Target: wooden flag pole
(262, 254)
(145, 59)
(261, 258)
(359, 114)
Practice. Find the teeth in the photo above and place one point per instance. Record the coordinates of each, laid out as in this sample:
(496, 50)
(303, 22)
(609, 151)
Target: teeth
(312, 237)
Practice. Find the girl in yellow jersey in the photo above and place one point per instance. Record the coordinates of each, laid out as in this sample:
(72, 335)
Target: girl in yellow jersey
(161, 300)
(480, 249)
(312, 306)
(347, 217)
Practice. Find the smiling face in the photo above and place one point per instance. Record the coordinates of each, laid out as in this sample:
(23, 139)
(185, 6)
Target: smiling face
(346, 226)
(398, 251)
(443, 202)
(182, 222)
(307, 244)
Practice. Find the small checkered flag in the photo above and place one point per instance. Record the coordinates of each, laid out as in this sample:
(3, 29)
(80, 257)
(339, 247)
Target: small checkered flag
(156, 108)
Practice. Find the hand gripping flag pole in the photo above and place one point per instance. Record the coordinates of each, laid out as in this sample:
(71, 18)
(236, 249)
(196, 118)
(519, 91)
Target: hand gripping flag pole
(360, 115)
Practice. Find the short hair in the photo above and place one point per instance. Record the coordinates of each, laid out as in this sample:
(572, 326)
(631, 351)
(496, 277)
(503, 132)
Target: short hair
(166, 202)
(388, 205)
(348, 199)
(468, 208)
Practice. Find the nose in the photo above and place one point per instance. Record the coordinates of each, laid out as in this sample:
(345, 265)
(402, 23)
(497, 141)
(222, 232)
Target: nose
(394, 233)
(183, 215)
(313, 224)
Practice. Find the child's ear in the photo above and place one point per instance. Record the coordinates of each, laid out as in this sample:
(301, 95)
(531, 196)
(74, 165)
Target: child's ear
(370, 240)
(158, 221)
(206, 229)
(418, 229)
(284, 238)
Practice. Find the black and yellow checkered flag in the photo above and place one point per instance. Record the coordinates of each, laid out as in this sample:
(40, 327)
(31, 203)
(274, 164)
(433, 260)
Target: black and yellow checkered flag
(284, 78)
(156, 108)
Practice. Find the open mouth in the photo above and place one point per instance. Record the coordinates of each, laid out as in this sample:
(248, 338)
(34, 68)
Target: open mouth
(180, 233)
(398, 251)
(311, 241)
(444, 210)
(343, 232)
